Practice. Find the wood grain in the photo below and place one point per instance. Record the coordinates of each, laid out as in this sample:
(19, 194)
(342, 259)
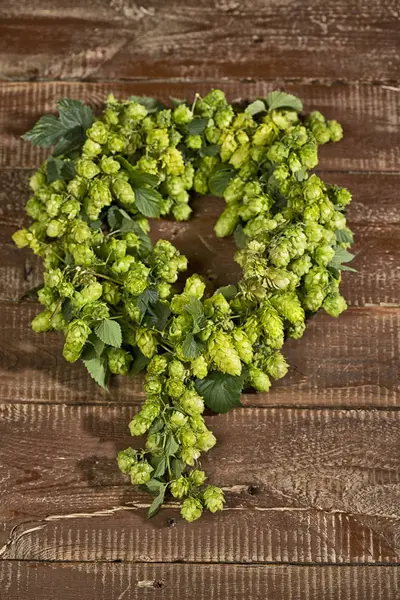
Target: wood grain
(370, 115)
(352, 361)
(45, 581)
(200, 39)
(375, 224)
(313, 486)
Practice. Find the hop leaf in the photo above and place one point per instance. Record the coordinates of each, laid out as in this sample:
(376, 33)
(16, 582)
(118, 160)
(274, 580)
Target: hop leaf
(282, 100)
(109, 332)
(255, 108)
(97, 369)
(148, 202)
(221, 392)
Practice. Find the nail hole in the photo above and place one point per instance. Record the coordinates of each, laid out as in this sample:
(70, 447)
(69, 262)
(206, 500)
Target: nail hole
(171, 523)
(252, 490)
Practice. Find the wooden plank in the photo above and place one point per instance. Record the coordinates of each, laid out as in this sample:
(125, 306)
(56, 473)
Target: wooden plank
(313, 486)
(66, 581)
(370, 115)
(342, 40)
(374, 216)
(352, 361)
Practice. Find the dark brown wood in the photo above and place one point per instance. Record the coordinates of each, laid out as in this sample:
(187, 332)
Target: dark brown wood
(352, 361)
(312, 486)
(302, 485)
(45, 581)
(276, 40)
(370, 115)
(374, 217)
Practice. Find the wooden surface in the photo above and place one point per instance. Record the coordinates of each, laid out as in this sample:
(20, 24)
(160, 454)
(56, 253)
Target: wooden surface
(311, 470)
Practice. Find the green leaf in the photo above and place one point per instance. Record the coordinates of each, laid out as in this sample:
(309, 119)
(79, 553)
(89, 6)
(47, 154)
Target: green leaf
(157, 425)
(157, 503)
(282, 100)
(301, 175)
(161, 467)
(171, 446)
(46, 132)
(191, 348)
(197, 126)
(228, 291)
(98, 369)
(210, 150)
(148, 202)
(137, 178)
(256, 107)
(74, 112)
(195, 308)
(152, 104)
(146, 298)
(157, 315)
(341, 256)
(178, 466)
(154, 486)
(93, 348)
(344, 236)
(119, 219)
(220, 178)
(59, 169)
(66, 309)
(72, 140)
(220, 391)
(177, 101)
(109, 332)
(66, 131)
(240, 237)
(140, 362)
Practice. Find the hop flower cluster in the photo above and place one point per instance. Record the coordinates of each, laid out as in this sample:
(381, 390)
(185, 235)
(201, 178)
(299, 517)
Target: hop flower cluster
(111, 292)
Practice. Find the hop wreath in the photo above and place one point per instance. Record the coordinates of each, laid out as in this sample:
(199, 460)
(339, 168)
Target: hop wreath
(111, 293)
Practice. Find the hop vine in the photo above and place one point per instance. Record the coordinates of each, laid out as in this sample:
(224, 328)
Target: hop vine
(114, 295)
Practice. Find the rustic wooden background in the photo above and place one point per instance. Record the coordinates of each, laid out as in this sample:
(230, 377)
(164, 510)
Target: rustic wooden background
(311, 471)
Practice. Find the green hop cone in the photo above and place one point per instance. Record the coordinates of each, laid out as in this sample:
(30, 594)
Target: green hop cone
(275, 365)
(227, 222)
(189, 455)
(176, 369)
(199, 367)
(126, 459)
(175, 388)
(157, 365)
(146, 342)
(123, 191)
(259, 380)
(213, 498)
(180, 487)
(197, 477)
(177, 420)
(334, 304)
(243, 345)
(223, 353)
(191, 403)
(42, 322)
(195, 286)
(77, 333)
(119, 361)
(139, 425)
(141, 473)
(206, 441)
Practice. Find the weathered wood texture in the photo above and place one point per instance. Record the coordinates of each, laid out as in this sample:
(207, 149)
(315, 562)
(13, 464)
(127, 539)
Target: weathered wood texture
(352, 361)
(312, 486)
(370, 115)
(375, 224)
(46, 581)
(200, 39)
(303, 485)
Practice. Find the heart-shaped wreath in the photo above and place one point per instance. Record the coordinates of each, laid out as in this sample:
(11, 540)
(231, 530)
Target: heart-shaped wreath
(111, 292)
